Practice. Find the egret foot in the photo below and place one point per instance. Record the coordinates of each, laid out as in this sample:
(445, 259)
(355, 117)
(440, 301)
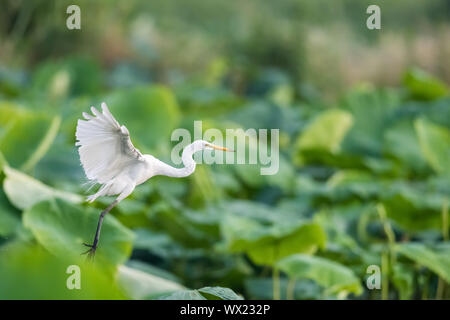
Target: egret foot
(93, 247)
(91, 252)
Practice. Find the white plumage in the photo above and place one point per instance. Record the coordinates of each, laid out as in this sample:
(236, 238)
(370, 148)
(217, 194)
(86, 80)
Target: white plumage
(106, 151)
(109, 158)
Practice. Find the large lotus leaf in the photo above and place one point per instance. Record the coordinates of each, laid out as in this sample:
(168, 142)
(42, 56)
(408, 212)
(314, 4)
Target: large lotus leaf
(151, 269)
(200, 264)
(193, 229)
(333, 276)
(30, 272)
(184, 295)
(219, 293)
(73, 76)
(262, 115)
(434, 142)
(326, 132)
(201, 101)
(400, 140)
(150, 113)
(62, 228)
(25, 135)
(262, 289)
(342, 245)
(197, 228)
(61, 167)
(253, 210)
(370, 110)
(138, 284)
(9, 216)
(259, 212)
(423, 86)
(346, 184)
(437, 111)
(413, 209)
(24, 191)
(282, 178)
(265, 245)
(225, 180)
(206, 293)
(258, 115)
(12, 81)
(157, 243)
(439, 184)
(321, 141)
(436, 258)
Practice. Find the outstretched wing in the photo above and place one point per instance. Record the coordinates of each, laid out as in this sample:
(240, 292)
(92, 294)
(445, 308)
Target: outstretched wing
(105, 147)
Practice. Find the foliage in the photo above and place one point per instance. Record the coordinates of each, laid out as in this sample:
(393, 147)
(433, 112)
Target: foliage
(363, 177)
(331, 275)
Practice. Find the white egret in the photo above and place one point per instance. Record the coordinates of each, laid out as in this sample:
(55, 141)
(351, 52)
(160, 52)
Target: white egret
(109, 158)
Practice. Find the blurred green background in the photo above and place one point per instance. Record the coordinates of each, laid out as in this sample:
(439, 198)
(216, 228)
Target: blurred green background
(364, 119)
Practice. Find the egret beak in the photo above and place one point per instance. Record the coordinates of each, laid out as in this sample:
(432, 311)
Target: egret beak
(220, 148)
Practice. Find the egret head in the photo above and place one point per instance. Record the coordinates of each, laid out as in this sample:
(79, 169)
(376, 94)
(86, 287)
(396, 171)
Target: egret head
(205, 145)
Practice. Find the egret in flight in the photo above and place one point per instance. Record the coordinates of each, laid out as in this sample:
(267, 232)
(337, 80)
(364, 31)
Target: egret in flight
(109, 159)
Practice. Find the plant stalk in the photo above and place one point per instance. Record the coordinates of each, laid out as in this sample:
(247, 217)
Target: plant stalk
(290, 289)
(384, 276)
(387, 259)
(441, 282)
(276, 283)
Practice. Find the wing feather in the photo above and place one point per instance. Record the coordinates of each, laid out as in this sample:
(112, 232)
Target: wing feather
(105, 147)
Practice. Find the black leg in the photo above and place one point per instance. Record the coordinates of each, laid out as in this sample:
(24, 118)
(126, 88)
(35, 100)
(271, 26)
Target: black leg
(93, 246)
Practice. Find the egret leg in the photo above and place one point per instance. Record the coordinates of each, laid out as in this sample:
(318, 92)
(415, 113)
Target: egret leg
(93, 246)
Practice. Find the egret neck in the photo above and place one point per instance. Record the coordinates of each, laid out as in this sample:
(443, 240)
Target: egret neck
(189, 164)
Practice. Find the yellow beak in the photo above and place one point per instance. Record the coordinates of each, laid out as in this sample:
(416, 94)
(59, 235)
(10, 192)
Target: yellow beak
(220, 148)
